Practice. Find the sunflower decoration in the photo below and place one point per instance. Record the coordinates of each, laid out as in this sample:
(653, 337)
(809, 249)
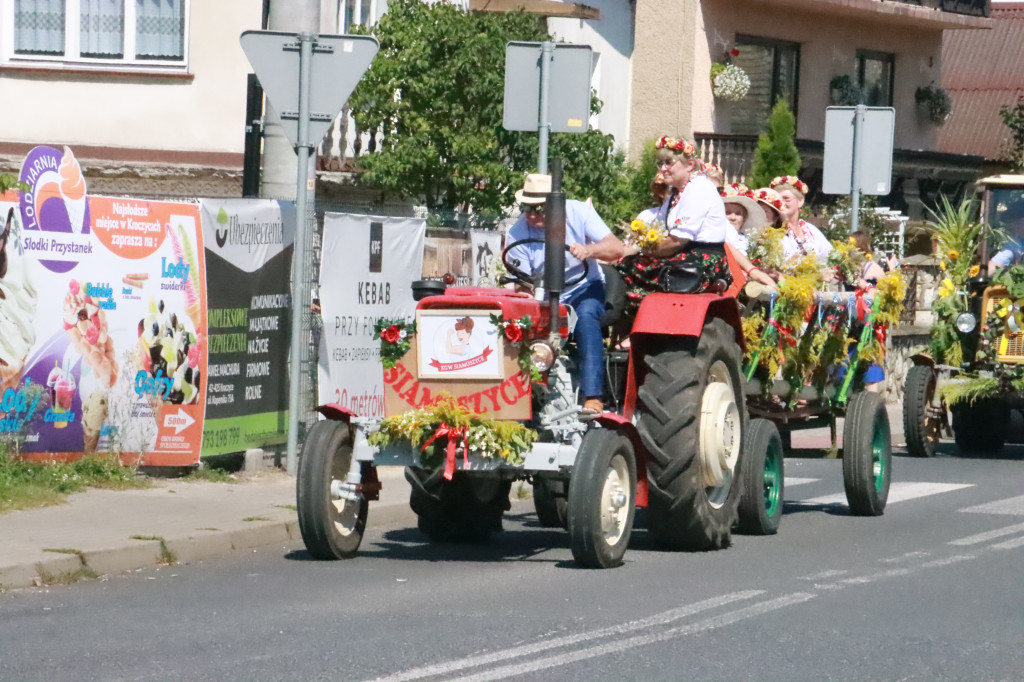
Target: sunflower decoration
(646, 235)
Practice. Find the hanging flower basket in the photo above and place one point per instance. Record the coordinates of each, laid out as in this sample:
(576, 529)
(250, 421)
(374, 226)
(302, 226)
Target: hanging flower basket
(844, 92)
(729, 82)
(934, 103)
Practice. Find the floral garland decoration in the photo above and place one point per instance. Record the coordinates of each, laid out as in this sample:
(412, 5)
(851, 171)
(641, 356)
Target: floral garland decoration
(729, 82)
(846, 259)
(646, 235)
(676, 145)
(395, 337)
(515, 333)
(444, 427)
(791, 180)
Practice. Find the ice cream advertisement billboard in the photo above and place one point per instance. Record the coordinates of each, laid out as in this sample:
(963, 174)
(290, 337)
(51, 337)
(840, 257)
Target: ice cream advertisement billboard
(102, 320)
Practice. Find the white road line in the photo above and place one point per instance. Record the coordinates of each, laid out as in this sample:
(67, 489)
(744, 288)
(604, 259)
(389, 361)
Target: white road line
(948, 561)
(990, 535)
(1010, 544)
(904, 557)
(870, 578)
(1013, 506)
(898, 492)
(640, 640)
(825, 574)
(794, 480)
(447, 668)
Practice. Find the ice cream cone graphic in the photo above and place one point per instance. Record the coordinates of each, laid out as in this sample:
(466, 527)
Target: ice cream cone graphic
(72, 190)
(85, 324)
(94, 414)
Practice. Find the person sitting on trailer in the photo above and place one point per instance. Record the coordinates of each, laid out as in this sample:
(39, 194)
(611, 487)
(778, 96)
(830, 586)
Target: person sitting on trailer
(588, 239)
(1012, 252)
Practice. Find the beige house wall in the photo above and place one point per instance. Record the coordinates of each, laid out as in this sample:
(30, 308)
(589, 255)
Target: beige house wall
(672, 91)
(201, 111)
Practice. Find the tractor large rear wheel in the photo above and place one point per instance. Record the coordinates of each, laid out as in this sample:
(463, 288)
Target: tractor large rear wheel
(692, 417)
(980, 427)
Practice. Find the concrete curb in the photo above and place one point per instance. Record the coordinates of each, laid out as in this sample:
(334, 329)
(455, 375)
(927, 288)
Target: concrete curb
(142, 553)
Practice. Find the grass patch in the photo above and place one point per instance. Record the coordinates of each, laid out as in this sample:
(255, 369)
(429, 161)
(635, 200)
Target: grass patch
(206, 473)
(83, 572)
(27, 484)
(255, 518)
(166, 555)
(290, 507)
(522, 492)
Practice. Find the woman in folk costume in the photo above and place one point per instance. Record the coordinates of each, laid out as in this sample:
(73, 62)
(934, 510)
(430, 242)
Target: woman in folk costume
(692, 215)
(802, 238)
(771, 205)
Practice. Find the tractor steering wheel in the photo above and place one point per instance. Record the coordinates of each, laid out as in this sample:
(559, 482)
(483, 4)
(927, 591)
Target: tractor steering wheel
(512, 265)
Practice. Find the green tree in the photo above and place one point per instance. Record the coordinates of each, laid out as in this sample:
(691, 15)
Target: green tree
(776, 152)
(9, 181)
(437, 88)
(1013, 146)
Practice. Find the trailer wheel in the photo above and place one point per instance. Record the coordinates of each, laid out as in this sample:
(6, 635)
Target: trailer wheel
(549, 501)
(867, 454)
(602, 499)
(921, 427)
(760, 510)
(331, 528)
(980, 427)
(464, 509)
(692, 417)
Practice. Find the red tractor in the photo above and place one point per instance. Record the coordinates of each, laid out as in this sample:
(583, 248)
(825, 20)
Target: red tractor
(675, 448)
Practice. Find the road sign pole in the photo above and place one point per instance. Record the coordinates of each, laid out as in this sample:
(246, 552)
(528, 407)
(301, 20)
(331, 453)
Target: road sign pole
(547, 49)
(858, 124)
(300, 297)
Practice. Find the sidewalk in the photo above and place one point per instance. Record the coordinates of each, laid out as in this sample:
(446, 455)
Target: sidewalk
(101, 529)
(108, 531)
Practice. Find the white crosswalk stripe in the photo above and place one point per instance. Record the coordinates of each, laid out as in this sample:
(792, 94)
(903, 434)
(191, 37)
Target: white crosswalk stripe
(898, 492)
(989, 535)
(1013, 506)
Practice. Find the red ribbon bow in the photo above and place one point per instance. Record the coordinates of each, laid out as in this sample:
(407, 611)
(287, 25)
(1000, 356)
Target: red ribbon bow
(784, 334)
(452, 433)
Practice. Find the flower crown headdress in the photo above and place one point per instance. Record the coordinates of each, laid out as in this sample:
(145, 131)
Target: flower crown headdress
(676, 145)
(791, 180)
(737, 189)
(770, 197)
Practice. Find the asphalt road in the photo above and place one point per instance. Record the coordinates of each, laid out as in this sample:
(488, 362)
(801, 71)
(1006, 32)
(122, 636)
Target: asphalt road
(932, 590)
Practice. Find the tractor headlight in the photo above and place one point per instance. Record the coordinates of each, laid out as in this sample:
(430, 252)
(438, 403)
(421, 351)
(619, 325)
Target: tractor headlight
(966, 323)
(542, 355)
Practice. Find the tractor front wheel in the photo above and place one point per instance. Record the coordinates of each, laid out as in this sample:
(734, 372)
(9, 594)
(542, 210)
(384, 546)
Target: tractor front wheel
(602, 499)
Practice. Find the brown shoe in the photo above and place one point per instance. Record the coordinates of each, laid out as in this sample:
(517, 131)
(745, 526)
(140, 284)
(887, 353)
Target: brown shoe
(593, 406)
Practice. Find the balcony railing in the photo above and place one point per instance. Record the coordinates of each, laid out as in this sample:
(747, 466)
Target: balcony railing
(344, 142)
(976, 8)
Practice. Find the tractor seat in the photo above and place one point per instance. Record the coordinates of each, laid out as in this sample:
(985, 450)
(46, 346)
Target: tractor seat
(614, 296)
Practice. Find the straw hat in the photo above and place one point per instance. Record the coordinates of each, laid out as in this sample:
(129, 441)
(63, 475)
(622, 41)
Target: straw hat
(769, 197)
(535, 190)
(737, 194)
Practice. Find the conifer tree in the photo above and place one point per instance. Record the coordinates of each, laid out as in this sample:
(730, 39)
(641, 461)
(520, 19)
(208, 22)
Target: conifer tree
(776, 152)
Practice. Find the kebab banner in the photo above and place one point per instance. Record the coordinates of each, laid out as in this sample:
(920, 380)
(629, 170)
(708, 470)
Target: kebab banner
(248, 269)
(102, 321)
(366, 272)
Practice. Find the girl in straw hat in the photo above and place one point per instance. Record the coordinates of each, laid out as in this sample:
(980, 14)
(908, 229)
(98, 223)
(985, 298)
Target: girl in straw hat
(745, 216)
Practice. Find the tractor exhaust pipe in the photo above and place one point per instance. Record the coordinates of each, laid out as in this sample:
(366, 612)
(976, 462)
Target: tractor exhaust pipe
(554, 246)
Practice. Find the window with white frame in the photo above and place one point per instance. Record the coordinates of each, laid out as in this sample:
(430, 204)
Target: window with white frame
(95, 33)
(357, 13)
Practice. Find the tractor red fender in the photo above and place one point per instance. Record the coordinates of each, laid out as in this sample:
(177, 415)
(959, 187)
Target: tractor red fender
(685, 314)
(336, 411)
(678, 315)
(616, 422)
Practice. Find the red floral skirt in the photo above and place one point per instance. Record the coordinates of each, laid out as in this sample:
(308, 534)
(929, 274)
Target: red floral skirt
(641, 272)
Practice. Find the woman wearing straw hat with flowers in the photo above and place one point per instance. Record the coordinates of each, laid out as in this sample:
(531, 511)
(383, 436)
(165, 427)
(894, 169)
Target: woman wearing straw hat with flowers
(802, 238)
(691, 227)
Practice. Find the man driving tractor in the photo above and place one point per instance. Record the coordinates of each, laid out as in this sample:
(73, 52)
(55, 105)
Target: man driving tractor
(588, 239)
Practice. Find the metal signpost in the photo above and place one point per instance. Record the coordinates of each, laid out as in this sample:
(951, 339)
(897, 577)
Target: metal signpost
(547, 89)
(858, 153)
(308, 78)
